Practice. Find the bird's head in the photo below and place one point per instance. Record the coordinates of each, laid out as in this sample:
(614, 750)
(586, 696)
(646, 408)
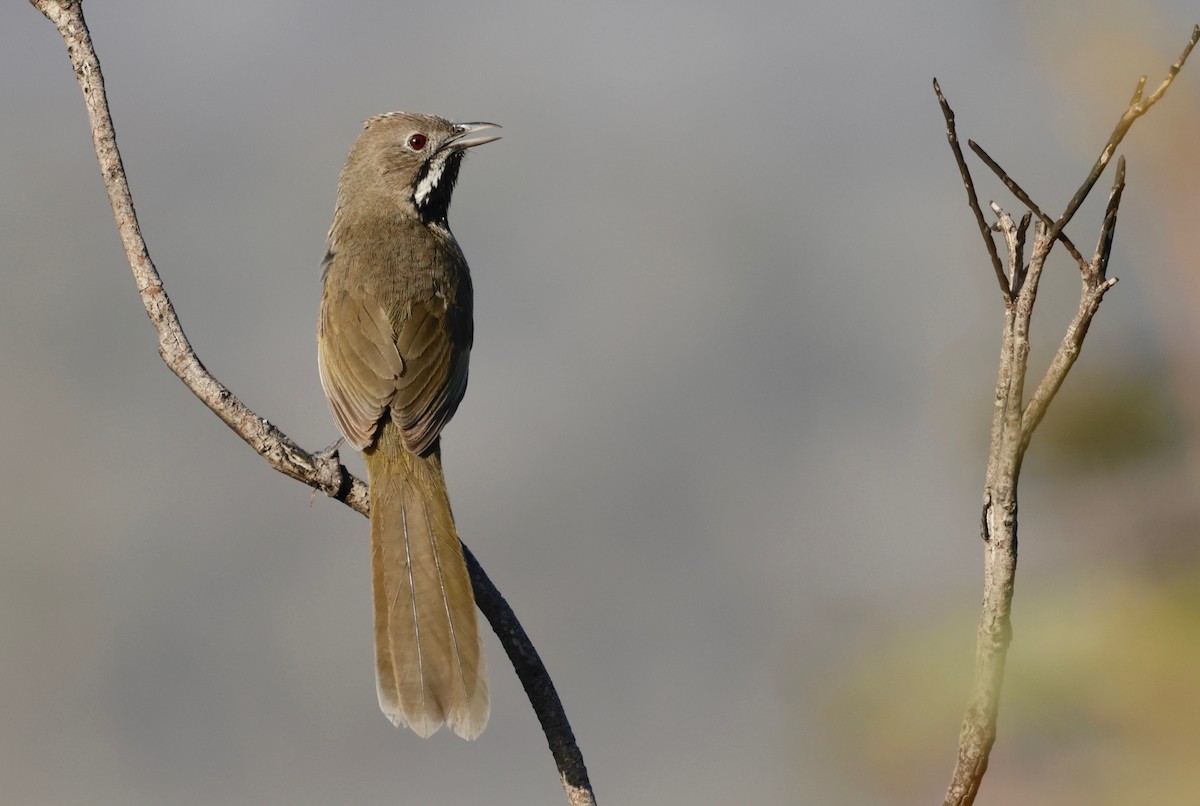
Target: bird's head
(411, 160)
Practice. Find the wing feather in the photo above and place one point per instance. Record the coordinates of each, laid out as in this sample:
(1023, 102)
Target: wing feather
(368, 366)
(359, 364)
(428, 393)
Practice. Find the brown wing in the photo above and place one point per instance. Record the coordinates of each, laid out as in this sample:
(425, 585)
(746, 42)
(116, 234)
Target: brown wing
(435, 377)
(367, 366)
(358, 362)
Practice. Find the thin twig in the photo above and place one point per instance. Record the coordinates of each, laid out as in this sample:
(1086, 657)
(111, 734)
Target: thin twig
(1104, 246)
(1021, 268)
(1095, 286)
(538, 687)
(1008, 228)
(1138, 106)
(322, 471)
(972, 200)
(1020, 193)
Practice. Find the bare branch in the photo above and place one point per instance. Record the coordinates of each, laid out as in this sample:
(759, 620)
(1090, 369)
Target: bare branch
(322, 471)
(1013, 425)
(972, 200)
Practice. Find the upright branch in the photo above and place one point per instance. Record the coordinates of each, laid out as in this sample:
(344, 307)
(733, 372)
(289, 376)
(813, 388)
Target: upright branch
(1014, 420)
(320, 470)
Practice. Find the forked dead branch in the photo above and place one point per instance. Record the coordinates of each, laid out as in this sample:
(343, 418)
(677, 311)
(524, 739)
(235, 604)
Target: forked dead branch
(1013, 419)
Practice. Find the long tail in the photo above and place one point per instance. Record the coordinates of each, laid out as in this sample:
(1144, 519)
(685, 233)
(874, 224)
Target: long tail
(429, 664)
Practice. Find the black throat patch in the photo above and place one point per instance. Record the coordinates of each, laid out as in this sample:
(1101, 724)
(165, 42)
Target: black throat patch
(435, 184)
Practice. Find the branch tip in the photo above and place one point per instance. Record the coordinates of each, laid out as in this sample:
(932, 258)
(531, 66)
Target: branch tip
(1137, 92)
(972, 200)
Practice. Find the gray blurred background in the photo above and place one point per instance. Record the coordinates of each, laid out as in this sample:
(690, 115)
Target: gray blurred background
(724, 441)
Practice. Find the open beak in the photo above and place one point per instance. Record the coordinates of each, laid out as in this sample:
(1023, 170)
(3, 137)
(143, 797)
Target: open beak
(468, 136)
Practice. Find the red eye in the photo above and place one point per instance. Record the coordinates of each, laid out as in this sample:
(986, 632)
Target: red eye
(417, 141)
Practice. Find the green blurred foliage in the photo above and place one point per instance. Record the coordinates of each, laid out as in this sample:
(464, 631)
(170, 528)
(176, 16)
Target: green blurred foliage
(1108, 420)
(1101, 697)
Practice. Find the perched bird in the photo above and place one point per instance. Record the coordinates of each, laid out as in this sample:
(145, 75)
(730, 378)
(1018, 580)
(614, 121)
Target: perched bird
(393, 342)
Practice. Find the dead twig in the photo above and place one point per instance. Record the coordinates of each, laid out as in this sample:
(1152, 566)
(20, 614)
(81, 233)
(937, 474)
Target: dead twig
(972, 200)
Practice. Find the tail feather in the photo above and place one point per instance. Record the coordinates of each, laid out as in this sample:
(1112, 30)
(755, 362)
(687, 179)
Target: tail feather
(430, 668)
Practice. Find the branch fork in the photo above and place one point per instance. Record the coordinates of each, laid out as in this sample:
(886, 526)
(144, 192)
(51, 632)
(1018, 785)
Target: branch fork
(1013, 419)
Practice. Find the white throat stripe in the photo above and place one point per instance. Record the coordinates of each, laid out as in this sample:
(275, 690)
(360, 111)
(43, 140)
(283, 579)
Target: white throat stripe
(426, 185)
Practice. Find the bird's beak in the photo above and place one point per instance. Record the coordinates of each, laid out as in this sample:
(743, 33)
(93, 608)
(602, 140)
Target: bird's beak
(465, 139)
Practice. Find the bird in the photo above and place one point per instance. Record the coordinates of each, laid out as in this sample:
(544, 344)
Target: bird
(394, 336)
